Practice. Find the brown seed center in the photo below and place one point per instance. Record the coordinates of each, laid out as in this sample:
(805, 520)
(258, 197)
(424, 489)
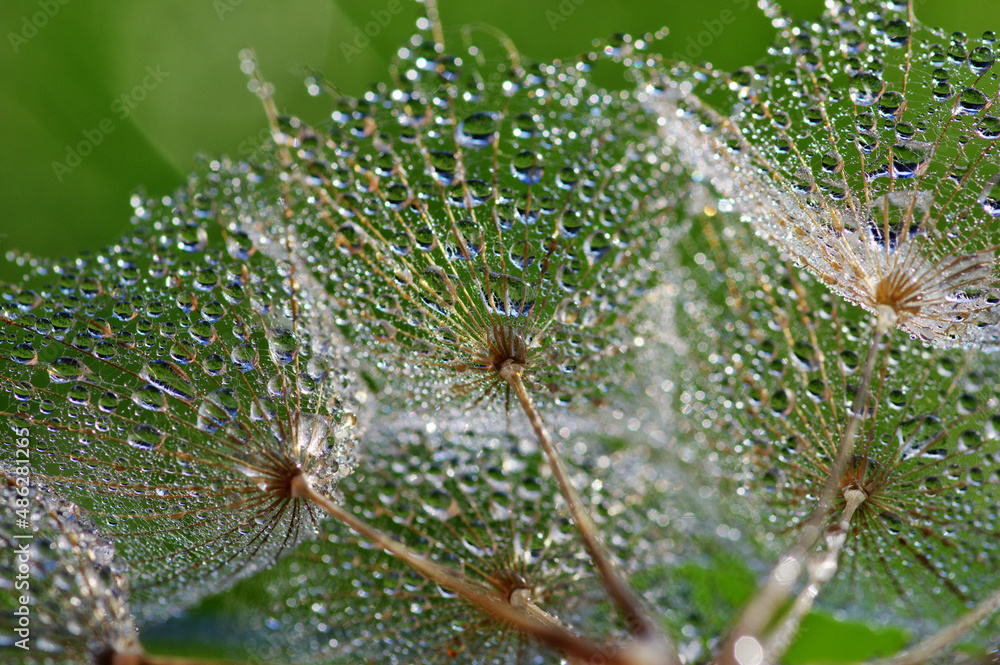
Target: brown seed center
(898, 291)
(507, 582)
(504, 345)
(863, 473)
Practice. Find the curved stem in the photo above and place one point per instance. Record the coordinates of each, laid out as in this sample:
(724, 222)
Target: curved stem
(265, 92)
(619, 590)
(821, 568)
(548, 631)
(761, 610)
(930, 646)
(885, 321)
(430, 6)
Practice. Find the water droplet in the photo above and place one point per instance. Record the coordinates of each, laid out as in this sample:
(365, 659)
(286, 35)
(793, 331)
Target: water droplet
(971, 102)
(282, 345)
(150, 397)
(64, 369)
(245, 357)
(444, 165)
(217, 410)
(981, 59)
(866, 88)
(169, 378)
(146, 437)
(526, 167)
(477, 130)
(24, 353)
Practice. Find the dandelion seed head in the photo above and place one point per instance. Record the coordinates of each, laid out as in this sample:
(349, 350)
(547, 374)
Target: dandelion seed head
(865, 149)
(171, 389)
(925, 449)
(477, 211)
(483, 501)
(877, 263)
(79, 605)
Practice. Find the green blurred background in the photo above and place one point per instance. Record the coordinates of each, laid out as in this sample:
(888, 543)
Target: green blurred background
(60, 82)
(63, 82)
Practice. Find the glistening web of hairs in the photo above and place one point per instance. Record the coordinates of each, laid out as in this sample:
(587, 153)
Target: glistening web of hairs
(80, 604)
(484, 499)
(470, 224)
(460, 239)
(875, 153)
(788, 369)
(859, 151)
(171, 394)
